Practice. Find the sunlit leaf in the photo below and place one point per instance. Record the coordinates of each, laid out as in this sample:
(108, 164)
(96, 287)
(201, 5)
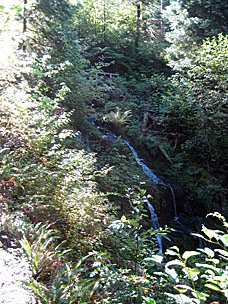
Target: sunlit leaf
(207, 266)
(172, 274)
(193, 271)
(183, 299)
(212, 286)
(209, 233)
(155, 258)
(223, 253)
(183, 288)
(123, 219)
(208, 251)
(188, 254)
(175, 263)
(148, 300)
(172, 251)
(224, 239)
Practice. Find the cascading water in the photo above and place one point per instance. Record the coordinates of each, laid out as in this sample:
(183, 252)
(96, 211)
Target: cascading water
(151, 175)
(153, 216)
(146, 169)
(174, 200)
(155, 223)
(156, 180)
(185, 223)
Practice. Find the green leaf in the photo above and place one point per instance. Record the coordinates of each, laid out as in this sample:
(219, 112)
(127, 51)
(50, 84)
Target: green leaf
(224, 239)
(188, 254)
(208, 251)
(175, 263)
(193, 271)
(123, 219)
(212, 286)
(155, 258)
(183, 299)
(223, 253)
(172, 252)
(214, 261)
(172, 273)
(148, 301)
(210, 233)
(33, 287)
(201, 295)
(207, 266)
(183, 288)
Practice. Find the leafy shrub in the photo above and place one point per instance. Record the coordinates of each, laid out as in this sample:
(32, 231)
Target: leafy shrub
(40, 176)
(126, 273)
(54, 279)
(201, 276)
(196, 109)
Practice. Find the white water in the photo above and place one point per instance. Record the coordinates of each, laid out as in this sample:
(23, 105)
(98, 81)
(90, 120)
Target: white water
(110, 136)
(151, 175)
(146, 169)
(174, 201)
(155, 223)
(156, 180)
(153, 216)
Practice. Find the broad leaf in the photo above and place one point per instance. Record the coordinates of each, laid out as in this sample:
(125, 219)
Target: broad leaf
(210, 233)
(208, 251)
(188, 254)
(172, 274)
(193, 271)
(172, 252)
(175, 263)
(213, 287)
(224, 239)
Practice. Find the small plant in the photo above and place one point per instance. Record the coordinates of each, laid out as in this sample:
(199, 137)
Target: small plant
(42, 252)
(54, 280)
(117, 118)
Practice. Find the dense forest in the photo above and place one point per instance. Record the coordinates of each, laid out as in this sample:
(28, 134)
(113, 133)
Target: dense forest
(114, 148)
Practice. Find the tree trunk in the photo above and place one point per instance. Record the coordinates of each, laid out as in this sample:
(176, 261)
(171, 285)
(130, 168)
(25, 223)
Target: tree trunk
(24, 24)
(162, 21)
(104, 22)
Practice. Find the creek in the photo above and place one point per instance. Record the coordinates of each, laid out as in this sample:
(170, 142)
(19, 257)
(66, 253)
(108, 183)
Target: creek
(152, 176)
(183, 220)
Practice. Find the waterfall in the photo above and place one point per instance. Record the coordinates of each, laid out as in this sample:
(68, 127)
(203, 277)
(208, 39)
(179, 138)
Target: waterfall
(146, 169)
(153, 216)
(155, 223)
(151, 175)
(156, 180)
(174, 201)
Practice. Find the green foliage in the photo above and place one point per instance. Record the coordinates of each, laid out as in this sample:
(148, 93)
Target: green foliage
(45, 178)
(41, 251)
(190, 22)
(181, 35)
(108, 31)
(59, 62)
(39, 175)
(118, 119)
(210, 24)
(196, 109)
(208, 269)
(131, 276)
(53, 278)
